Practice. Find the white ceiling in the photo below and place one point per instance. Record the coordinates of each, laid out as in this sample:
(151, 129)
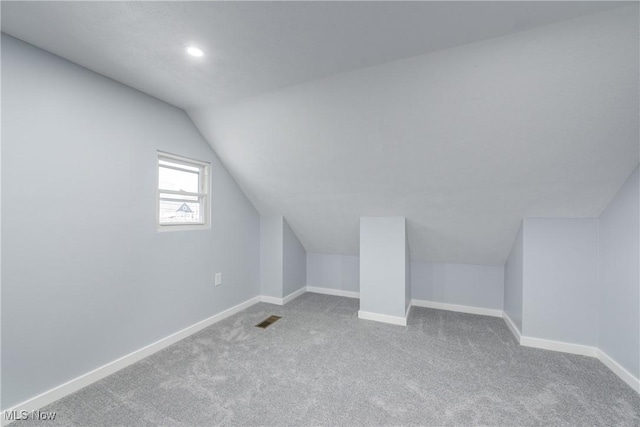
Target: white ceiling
(464, 141)
(254, 47)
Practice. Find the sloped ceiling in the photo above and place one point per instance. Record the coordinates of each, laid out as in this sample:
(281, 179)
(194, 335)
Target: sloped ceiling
(464, 117)
(464, 142)
(254, 47)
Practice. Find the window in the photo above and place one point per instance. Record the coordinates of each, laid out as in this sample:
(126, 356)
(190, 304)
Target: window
(183, 193)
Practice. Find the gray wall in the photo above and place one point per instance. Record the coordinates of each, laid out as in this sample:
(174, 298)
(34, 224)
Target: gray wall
(294, 261)
(382, 265)
(334, 271)
(619, 287)
(471, 285)
(513, 281)
(560, 279)
(271, 256)
(83, 262)
(407, 273)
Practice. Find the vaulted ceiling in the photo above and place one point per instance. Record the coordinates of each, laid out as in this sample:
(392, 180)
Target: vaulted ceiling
(464, 117)
(254, 47)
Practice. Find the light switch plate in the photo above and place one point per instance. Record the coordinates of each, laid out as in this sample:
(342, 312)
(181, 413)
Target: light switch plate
(218, 279)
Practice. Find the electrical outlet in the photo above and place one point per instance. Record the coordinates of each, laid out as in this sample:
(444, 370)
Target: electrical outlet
(218, 279)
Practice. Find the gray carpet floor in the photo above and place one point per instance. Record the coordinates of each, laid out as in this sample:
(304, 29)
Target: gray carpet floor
(321, 365)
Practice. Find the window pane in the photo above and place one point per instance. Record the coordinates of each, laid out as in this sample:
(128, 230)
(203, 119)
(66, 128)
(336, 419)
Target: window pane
(181, 175)
(178, 165)
(178, 197)
(171, 179)
(181, 212)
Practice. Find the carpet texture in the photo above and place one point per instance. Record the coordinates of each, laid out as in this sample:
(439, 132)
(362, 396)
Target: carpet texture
(321, 365)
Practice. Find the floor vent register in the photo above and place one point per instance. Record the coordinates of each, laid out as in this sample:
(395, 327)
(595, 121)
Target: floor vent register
(268, 322)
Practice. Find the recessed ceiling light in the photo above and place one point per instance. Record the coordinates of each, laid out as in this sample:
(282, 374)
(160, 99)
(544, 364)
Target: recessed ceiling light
(195, 51)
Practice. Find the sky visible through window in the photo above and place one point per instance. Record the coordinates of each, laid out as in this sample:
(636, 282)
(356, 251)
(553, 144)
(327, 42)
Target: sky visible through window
(183, 208)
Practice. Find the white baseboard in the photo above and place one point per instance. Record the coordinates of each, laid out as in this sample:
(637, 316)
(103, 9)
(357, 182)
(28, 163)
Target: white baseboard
(456, 307)
(97, 374)
(579, 349)
(584, 350)
(415, 302)
(283, 301)
(617, 369)
(336, 292)
(512, 327)
(564, 347)
(394, 320)
(271, 300)
(294, 295)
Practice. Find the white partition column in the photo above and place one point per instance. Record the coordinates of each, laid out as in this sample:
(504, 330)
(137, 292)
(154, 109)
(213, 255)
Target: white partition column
(271, 257)
(383, 259)
(283, 261)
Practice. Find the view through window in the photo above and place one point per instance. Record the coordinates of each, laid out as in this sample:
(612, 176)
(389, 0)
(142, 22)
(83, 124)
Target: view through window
(182, 191)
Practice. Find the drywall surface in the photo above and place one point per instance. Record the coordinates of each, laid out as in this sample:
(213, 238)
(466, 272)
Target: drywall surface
(560, 279)
(471, 285)
(294, 262)
(464, 142)
(619, 287)
(407, 274)
(86, 276)
(329, 271)
(513, 281)
(382, 265)
(271, 256)
(256, 47)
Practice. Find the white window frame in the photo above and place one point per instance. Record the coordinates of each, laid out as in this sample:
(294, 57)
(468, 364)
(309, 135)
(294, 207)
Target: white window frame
(202, 194)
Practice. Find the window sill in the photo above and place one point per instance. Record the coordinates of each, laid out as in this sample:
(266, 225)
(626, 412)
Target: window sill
(181, 227)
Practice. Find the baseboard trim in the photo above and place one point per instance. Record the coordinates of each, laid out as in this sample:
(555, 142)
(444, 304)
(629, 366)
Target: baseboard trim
(564, 347)
(283, 301)
(456, 307)
(385, 318)
(97, 374)
(271, 300)
(579, 349)
(617, 369)
(294, 295)
(335, 292)
(512, 327)
(415, 302)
